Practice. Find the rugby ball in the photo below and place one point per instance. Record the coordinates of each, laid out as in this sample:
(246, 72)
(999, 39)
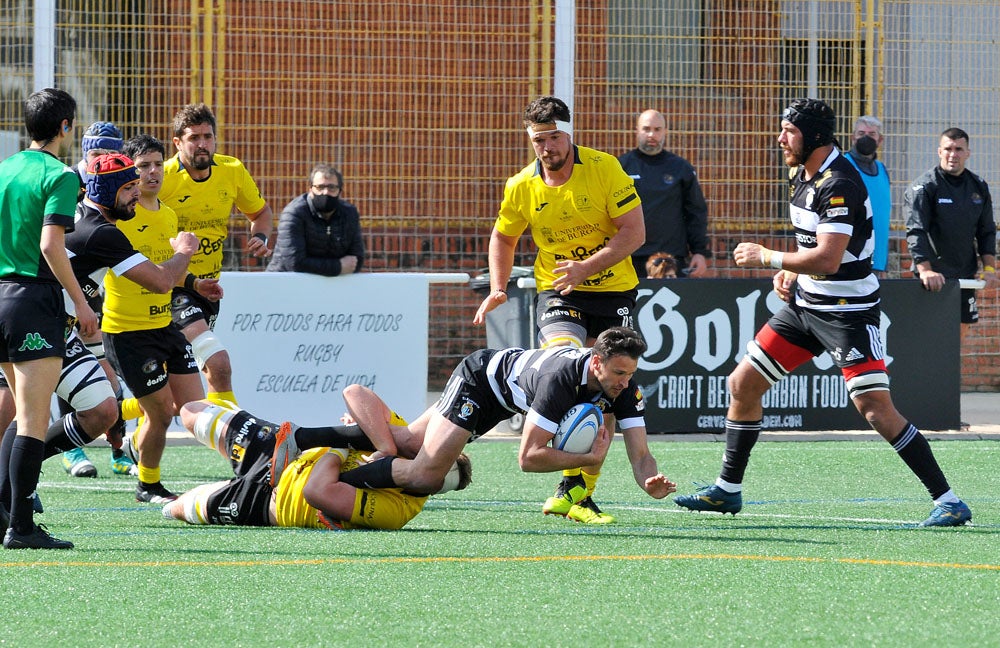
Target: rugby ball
(578, 429)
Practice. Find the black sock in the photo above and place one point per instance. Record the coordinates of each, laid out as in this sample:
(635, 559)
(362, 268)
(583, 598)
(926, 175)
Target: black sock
(5, 448)
(25, 467)
(65, 434)
(913, 449)
(333, 436)
(741, 436)
(377, 474)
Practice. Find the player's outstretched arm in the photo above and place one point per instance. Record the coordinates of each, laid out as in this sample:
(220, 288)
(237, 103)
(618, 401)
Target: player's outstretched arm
(644, 469)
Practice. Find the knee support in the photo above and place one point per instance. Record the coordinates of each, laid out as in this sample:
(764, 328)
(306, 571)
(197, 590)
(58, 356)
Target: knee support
(205, 346)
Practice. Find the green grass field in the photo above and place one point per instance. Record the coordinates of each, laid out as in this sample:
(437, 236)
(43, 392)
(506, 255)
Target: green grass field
(825, 553)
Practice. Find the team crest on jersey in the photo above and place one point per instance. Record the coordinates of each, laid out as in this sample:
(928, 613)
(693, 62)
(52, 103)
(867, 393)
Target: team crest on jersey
(150, 366)
(464, 412)
(669, 179)
(582, 202)
(976, 199)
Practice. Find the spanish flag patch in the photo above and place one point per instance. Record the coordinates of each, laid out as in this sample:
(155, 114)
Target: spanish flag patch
(837, 200)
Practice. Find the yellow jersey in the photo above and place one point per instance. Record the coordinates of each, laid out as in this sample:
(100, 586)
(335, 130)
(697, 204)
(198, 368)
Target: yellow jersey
(574, 220)
(384, 508)
(204, 207)
(127, 305)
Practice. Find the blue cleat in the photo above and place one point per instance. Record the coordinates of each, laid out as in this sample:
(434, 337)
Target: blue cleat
(948, 514)
(711, 498)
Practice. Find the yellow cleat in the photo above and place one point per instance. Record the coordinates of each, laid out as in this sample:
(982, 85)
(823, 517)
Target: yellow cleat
(570, 491)
(586, 511)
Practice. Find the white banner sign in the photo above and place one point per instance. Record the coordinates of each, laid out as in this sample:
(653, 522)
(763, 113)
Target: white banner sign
(296, 340)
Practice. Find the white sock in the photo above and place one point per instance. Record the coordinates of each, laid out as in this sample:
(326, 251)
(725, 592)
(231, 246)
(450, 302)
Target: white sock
(726, 486)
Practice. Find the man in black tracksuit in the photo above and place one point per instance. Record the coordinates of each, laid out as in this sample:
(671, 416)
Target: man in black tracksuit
(949, 220)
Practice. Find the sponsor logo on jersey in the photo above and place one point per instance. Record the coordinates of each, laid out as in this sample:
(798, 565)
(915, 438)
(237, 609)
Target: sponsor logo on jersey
(159, 310)
(542, 206)
(183, 198)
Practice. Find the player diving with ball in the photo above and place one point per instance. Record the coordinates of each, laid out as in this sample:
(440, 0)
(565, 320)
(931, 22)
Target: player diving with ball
(489, 386)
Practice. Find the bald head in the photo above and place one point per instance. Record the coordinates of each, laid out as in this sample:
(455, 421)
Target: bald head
(650, 132)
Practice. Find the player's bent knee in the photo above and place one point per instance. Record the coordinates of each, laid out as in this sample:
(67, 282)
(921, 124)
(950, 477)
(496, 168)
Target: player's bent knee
(98, 419)
(205, 346)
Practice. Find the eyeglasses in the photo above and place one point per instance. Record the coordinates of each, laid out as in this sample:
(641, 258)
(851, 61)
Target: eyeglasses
(326, 187)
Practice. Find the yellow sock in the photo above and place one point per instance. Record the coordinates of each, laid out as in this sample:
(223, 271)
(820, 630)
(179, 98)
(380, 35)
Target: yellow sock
(223, 398)
(571, 472)
(131, 409)
(590, 481)
(148, 475)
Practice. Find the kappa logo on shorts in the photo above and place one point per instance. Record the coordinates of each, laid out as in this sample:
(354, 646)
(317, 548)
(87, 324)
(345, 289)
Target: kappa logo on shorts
(34, 342)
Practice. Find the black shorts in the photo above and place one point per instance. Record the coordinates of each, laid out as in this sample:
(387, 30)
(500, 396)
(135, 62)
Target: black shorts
(246, 500)
(242, 502)
(187, 306)
(970, 309)
(594, 312)
(468, 401)
(32, 321)
(852, 338)
(145, 358)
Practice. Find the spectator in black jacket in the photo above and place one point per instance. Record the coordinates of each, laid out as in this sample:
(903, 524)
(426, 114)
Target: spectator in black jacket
(319, 232)
(673, 205)
(949, 224)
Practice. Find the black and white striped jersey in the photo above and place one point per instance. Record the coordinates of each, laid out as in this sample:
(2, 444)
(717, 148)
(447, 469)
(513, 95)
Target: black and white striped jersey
(546, 383)
(835, 201)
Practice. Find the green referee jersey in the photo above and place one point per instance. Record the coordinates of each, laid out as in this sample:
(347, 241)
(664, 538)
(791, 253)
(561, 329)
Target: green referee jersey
(36, 189)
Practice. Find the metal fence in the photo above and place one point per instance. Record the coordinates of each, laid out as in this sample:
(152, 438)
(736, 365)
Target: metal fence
(419, 103)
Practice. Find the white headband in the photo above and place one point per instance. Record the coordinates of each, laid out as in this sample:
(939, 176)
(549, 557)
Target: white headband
(562, 126)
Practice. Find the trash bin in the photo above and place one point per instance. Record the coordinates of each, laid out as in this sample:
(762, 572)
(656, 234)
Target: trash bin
(511, 324)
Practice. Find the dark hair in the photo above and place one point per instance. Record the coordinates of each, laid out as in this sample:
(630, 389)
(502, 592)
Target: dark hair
(142, 144)
(659, 264)
(44, 112)
(327, 170)
(954, 133)
(619, 340)
(193, 115)
(546, 110)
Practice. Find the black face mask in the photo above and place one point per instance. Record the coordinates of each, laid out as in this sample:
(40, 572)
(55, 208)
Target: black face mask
(865, 145)
(324, 203)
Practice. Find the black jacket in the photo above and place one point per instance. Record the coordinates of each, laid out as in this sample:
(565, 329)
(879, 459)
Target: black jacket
(307, 242)
(949, 222)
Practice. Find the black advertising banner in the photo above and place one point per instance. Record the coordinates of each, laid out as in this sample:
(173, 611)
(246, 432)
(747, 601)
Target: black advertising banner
(698, 329)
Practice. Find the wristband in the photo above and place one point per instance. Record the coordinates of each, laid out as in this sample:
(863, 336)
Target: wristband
(776, 259)
(189, 281)
(989, 269)
(262, 237)
(765, 257)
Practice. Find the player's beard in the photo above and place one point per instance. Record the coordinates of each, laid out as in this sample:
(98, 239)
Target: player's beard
(793, 156)
(554, 165)
(201, 160)
(123, 212)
